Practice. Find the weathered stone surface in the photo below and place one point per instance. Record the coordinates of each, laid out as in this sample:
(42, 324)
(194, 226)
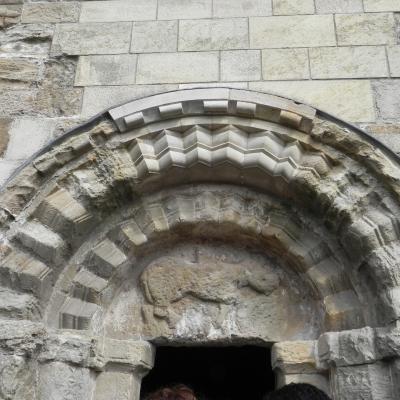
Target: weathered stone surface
(16, 305)
(9, 15)
(6, 169)
(387, 99)
(154, 36)
(118, 10)
(106, 70)
(183, 9)
(293, 7)
(4, 134)
(213, 34)
(16, 70)
(339, 97)
(241, 8)
(293, 31)
(97, 99)
(317, 380)
(177, 67)
(394, 61)
(50, 12)
(348, 62)
(60, 381)
(240, 65)
(281, 64)
(365, 29)
(122, 385)
(381, 5)
(92, 38)
(59, 72)
(33, 132)
(338, 6)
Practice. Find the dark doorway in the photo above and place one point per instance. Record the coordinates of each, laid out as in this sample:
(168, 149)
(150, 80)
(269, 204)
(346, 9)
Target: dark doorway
(214, 373)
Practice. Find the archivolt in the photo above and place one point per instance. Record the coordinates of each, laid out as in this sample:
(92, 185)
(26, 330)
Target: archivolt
(333, 215)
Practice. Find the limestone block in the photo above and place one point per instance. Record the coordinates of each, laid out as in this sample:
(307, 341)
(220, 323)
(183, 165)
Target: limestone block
(19, 70)
(338, 6)
(92, 38)
(59, 72)
(282, 64)
(178, 67)
(292, 31)
(394, 61)
(9, 15)
(184, 9)
(154, 36)
(17, 305)
(117, 385)
(118, 10)
(235, 85)
(295, 357)
(107, 257)
(241, 8)
(348, 62)
(336, 97)
(381, 5)
(50, 12)
(387, 99)
(318, 380)
(27, 136)
(77, 314)
(97, 99)
(363, 382)
(240, 65)
(213, 34)
(388, 342)
(365, 29)
(61, 381)
(293, 7)
(106, 70)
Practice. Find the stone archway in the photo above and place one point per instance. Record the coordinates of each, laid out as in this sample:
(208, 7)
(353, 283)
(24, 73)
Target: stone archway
(266, 220)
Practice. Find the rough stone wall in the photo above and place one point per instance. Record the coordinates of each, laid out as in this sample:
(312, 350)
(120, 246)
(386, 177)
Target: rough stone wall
(62, 62)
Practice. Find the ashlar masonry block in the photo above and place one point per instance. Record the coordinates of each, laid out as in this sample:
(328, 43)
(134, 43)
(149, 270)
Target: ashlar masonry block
(282, 64)
(241, 8)
(394, 61)
(213, 34)
(50, 12)
(292, 31)
(154, 36)
(348, 62)
(293, 7)
(178, 67)
(240, 65)
(338, 6)
(118, 10)
(184, 9)
(365, 29)
(119, 69)
(381, 5)
(92, 38)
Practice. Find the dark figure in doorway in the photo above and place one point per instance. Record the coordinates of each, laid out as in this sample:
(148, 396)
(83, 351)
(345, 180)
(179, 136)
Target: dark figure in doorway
(177, 392)
(297, 391)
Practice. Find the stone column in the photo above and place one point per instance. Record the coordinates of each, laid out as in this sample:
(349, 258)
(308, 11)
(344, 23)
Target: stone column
(295, 362)
(125, 364)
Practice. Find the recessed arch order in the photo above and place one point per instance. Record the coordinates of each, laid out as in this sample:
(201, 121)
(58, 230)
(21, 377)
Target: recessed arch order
(124, 206)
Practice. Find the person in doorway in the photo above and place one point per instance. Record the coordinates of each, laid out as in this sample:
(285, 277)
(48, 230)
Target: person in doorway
(297, 391)
(177, 392)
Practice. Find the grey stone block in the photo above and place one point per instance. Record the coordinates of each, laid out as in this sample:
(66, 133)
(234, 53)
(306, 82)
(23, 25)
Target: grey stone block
(381, 5)
(17, 70)
(292, 31)
(50, 12)
(348, 62)
(97, 99)
(154, 36)
(92, 38)
(241, 8)
(240, 65)
(178, 67)
(387, 99)
(106, 70)
(118, 10)
(282, 64)
(394, 61)
(352, 100)
(293, 7)
(338, 6)
(213, 34)
(365, 29)
(184, 9)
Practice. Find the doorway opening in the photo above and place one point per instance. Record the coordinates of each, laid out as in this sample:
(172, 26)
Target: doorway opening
(214, 373)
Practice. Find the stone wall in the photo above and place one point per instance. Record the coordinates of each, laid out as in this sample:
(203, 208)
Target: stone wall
(63, 62)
